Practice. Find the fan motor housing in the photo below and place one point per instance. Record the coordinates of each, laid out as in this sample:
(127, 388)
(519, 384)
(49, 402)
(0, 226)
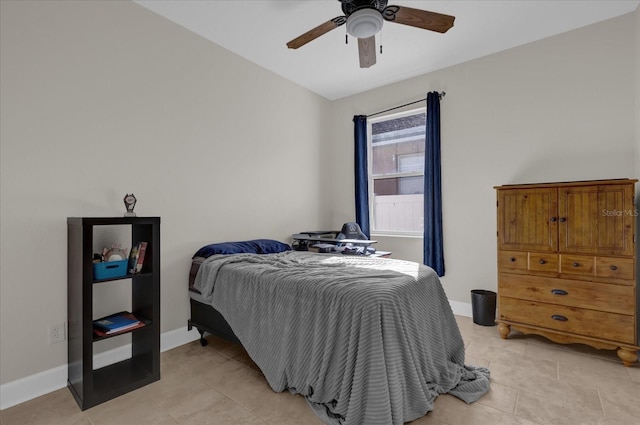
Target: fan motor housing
(350, 6)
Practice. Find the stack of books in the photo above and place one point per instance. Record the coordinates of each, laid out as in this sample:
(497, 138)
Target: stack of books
(116, 323)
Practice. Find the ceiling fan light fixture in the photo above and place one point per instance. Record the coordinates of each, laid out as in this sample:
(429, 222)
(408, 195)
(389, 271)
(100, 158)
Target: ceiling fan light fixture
(364, 23)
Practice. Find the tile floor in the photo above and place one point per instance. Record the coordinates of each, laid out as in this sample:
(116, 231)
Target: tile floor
(533, 381)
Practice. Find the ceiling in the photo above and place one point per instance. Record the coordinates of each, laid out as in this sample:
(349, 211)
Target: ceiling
(258, 30)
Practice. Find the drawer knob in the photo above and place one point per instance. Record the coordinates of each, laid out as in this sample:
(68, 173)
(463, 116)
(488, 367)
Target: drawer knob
(559, 318)
(543, 261)
(554, 219)
(563, 219)
(576, 264)
(613, 267)
(559, 292)
(513, 259)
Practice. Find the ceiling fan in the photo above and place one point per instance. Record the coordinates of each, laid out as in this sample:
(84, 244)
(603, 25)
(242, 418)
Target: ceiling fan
(364, 20)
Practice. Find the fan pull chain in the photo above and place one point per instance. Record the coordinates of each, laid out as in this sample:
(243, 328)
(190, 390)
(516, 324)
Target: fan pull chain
(380, 42)
(346, 39)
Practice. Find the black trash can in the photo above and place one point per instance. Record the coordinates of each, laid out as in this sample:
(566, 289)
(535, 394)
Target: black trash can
(483, 306)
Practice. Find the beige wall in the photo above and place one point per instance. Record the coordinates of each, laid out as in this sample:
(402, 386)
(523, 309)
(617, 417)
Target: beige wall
(554, 110)
(104, 98)
(100, 99)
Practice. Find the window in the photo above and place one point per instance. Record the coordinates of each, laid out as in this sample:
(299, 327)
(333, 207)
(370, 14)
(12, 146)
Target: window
(396, 173)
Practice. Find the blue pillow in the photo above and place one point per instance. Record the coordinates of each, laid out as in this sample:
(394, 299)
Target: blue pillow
(269, 246)
(256, 246)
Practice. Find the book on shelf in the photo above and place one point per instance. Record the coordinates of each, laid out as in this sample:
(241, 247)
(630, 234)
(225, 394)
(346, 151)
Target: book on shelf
(142, 249)
(119, 322)
(136, 257)
(133, 259)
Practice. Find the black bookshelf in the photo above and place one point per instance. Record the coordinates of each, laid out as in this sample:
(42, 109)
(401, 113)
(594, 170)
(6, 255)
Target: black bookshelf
(90, 386)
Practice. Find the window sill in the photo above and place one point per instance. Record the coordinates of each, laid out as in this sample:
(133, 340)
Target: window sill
(396, 235)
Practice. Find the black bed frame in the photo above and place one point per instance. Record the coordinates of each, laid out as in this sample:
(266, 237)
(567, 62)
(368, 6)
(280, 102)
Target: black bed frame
(207, 319)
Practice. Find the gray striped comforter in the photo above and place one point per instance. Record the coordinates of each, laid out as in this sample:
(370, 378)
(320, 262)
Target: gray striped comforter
(366, 341)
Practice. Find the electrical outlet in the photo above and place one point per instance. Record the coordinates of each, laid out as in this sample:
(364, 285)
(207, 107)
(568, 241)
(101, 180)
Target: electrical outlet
(56, 333)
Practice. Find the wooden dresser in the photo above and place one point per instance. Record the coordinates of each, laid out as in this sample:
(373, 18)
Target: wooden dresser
(567, 263)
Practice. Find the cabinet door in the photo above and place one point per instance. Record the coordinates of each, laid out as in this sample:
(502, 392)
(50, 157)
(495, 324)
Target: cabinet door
(527, 219)
(597, 219)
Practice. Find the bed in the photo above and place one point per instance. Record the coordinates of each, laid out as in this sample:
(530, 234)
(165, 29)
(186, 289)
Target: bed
(366, 341)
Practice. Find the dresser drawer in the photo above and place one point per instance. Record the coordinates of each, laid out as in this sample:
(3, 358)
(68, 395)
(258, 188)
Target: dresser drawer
(593, 323)
(574, 293)
(577, 264)
(616, 268)
(543, 262)
(512, 260)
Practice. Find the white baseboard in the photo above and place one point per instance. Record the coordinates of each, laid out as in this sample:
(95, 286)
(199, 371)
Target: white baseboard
(42, 383)
(461, 309)
(176, 338)
(25, 389)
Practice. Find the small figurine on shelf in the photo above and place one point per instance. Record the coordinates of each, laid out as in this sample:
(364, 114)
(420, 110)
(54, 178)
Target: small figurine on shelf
(130, 203)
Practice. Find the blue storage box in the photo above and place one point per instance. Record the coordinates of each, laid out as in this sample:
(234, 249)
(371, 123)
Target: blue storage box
(110, 269)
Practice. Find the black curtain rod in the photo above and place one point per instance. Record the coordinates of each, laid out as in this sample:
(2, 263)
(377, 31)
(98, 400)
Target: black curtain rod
(441, 95)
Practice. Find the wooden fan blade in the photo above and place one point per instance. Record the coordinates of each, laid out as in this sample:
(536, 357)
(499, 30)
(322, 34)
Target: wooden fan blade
(367, 51)
(316, 32)
(418, 18)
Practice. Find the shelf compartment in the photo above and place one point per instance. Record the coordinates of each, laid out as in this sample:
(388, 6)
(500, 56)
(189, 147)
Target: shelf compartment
(146, 324)
(117, 379)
